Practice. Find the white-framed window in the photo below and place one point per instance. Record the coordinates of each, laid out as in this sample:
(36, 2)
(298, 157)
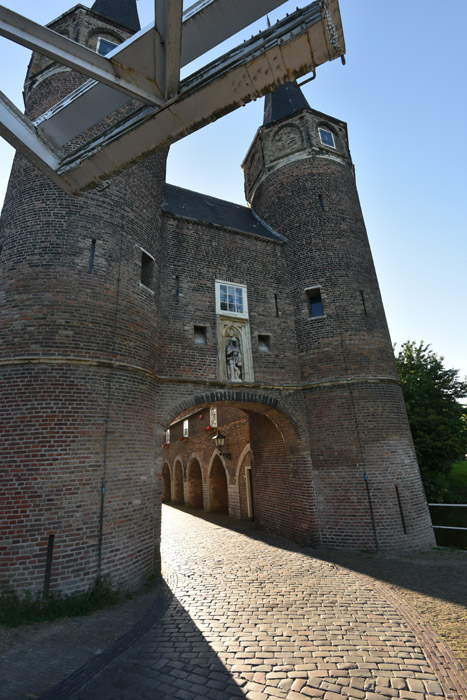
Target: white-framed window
(213, 417)
(167, 436)
(104, 46)
(185, 428)
(326, 137)
(231, 299)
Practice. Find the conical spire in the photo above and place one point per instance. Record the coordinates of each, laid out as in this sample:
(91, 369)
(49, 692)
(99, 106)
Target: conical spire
(286, 100)
(122, 11)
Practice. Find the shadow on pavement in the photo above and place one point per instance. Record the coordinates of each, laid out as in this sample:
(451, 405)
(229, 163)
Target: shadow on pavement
(439, 572)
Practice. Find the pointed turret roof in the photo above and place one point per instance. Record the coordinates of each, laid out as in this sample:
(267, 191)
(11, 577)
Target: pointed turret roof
(122, 11)
(286, 100)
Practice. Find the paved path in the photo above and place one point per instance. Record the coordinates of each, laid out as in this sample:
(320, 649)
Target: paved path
(253, 616)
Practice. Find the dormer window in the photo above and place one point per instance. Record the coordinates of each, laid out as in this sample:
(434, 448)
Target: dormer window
(326, 137)
(104, 46)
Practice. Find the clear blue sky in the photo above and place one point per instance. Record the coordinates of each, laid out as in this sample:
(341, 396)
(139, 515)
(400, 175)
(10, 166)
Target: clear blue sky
(403, 94)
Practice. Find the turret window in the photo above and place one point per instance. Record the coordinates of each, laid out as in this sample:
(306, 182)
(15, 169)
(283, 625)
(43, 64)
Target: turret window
(104, 46)
(326, 137)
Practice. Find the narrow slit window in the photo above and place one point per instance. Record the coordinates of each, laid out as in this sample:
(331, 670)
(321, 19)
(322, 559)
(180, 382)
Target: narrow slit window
(91, 255)
(185, 428)
(177, 287)
(276, 304)
(321, 202)
(147, 269)
(213, 417)
(315, 302)
(363, 302)
(167, 436)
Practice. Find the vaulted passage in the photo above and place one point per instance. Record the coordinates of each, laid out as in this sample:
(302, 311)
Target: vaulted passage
(244, 460)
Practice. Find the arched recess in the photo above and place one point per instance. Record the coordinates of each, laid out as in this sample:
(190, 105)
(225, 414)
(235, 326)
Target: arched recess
(194, 484)
(177, 491)
(166, 482)
(244, 482)
(218, 490)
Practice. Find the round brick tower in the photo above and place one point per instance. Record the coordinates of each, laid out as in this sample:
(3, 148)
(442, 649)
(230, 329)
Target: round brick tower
(79, 307)
(300, 179)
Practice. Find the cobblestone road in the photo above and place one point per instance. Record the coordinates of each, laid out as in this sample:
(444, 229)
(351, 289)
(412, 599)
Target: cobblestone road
(255, 617)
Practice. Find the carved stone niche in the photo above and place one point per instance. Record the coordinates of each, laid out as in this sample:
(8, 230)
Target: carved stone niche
(234, 351)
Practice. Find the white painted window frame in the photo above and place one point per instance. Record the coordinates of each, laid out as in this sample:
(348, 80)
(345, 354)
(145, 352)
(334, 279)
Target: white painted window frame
(232, 314)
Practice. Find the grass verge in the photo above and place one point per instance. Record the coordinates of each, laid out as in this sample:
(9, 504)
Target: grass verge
(19, 610)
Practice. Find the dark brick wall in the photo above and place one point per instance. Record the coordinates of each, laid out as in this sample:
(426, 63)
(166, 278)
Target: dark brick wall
(356, 428)
(94, 365)
(79, 350)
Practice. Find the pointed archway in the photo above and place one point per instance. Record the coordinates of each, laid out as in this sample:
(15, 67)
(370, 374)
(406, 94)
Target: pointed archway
(194, 486)
(166, 491)
(178, 484)
(218, 487)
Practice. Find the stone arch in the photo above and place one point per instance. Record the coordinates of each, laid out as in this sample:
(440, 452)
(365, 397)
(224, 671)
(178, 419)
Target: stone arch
(166, 483)
(194, 483)
(218, 485)
(177, 483)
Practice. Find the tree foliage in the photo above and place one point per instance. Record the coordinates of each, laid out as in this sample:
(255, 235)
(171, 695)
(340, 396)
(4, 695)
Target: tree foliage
(437, 419)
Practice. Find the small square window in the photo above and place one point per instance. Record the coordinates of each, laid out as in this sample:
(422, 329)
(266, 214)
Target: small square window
(264, 343)
(326, 138)
(200, 335)
(104, 46)
(147, 268)
(185, 428)
(315, 303)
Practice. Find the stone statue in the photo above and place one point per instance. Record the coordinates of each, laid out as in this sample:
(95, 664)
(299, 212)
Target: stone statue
(234, 359)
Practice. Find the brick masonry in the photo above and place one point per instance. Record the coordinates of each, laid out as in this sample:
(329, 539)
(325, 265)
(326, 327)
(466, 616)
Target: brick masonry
(96, 364)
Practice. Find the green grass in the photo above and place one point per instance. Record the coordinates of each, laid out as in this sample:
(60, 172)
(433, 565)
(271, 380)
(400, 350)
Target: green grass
(458, 474)
(18, 610)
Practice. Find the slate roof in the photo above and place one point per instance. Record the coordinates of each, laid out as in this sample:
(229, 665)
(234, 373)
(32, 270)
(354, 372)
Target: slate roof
(122, 11)
(286, 100)
(201, 207)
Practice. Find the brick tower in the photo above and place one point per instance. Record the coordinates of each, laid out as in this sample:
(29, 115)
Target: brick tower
(300, 179)
(79, 321)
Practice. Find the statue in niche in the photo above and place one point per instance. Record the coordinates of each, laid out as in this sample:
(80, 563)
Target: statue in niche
(234, 360)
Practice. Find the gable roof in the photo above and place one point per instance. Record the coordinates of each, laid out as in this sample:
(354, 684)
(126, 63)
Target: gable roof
(203, 208)
(123, 12)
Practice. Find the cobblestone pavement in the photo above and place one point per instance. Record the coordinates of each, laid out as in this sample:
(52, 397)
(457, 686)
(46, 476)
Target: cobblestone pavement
(255, 617)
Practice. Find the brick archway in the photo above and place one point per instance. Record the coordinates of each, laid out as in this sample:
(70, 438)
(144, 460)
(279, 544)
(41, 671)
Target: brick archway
(166, 481)
(177, 490)
(280, 495)
(218, 489)
(194, 484)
